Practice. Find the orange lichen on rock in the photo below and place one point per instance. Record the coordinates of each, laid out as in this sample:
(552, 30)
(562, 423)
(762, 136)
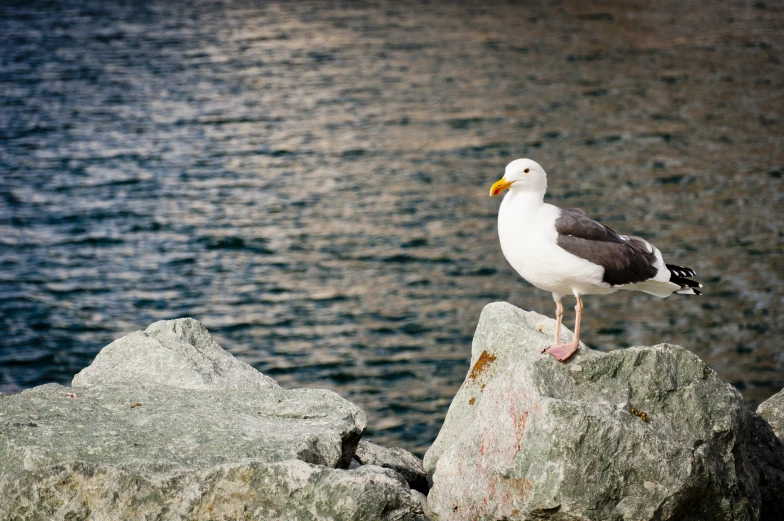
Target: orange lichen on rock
(642, 415)
(484, 360)
(471, 401)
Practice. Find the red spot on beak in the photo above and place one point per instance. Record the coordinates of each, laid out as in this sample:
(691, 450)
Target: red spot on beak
(495, 192)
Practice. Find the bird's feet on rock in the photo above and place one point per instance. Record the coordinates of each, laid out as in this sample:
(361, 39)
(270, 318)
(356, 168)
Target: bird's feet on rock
(561, 352)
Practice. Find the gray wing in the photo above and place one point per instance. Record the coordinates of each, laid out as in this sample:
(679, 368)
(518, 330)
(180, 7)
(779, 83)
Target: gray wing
(625, 260)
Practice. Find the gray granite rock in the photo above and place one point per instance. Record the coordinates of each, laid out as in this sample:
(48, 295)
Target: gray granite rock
(772, 410)
(185, 432)
(178, 353)
(638, 434)
(165, 428)
(289, 490)
(397, 459)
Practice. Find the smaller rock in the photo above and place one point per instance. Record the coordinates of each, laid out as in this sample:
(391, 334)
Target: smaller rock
(175, 353)
(772, 410)
(397, 459)
(421, 500)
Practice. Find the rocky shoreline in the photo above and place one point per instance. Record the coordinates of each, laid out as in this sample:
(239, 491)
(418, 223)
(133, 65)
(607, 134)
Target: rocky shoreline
(165, 424)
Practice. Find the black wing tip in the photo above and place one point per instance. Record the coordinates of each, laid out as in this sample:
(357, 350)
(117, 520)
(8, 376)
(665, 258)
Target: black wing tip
(680, 275)
(680, 271)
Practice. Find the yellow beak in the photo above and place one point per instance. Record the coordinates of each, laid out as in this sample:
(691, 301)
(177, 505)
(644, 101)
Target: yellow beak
(499, 186)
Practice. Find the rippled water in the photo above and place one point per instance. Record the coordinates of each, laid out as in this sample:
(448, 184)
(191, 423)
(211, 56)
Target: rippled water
(310, 181)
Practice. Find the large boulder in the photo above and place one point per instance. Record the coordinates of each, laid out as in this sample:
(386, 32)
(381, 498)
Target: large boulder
(637, 434)
(192, 434)
(772, 410)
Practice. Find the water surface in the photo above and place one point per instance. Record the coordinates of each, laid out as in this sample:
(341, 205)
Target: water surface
(310, 181)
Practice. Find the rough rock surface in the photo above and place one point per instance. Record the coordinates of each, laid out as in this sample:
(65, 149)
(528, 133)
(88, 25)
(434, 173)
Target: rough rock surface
(250, 490)
(772, 410)
(178, 353)
(397, 459)
(122, 445)
(151, 427)
(638, 434)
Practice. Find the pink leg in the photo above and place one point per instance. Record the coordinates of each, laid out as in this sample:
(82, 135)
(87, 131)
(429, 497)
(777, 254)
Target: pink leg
(558, 320)
(563, 351)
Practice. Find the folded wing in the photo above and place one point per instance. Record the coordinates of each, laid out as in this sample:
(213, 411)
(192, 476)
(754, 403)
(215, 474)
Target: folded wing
(625, 259)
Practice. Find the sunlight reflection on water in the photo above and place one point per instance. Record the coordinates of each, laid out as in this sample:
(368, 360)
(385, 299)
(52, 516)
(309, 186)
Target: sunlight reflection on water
(311, 182)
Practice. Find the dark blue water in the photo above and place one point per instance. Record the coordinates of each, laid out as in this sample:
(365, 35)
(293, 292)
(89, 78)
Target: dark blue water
(310, 181)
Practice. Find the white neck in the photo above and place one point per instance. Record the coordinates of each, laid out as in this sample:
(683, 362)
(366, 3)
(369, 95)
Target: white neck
(516, 222)
(522, 202)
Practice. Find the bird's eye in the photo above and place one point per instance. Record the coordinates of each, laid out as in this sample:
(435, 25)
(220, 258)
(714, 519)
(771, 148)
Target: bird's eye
(527, 170)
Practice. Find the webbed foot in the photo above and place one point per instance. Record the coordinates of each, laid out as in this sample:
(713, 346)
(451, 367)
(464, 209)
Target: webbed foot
(561, 352)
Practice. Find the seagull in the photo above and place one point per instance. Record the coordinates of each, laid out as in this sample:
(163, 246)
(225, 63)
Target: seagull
(565, 252)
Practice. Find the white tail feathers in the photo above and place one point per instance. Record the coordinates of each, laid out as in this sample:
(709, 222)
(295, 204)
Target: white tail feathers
(689, 291)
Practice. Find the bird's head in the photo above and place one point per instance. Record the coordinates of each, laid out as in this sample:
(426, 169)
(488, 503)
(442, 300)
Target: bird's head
(523, 175)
